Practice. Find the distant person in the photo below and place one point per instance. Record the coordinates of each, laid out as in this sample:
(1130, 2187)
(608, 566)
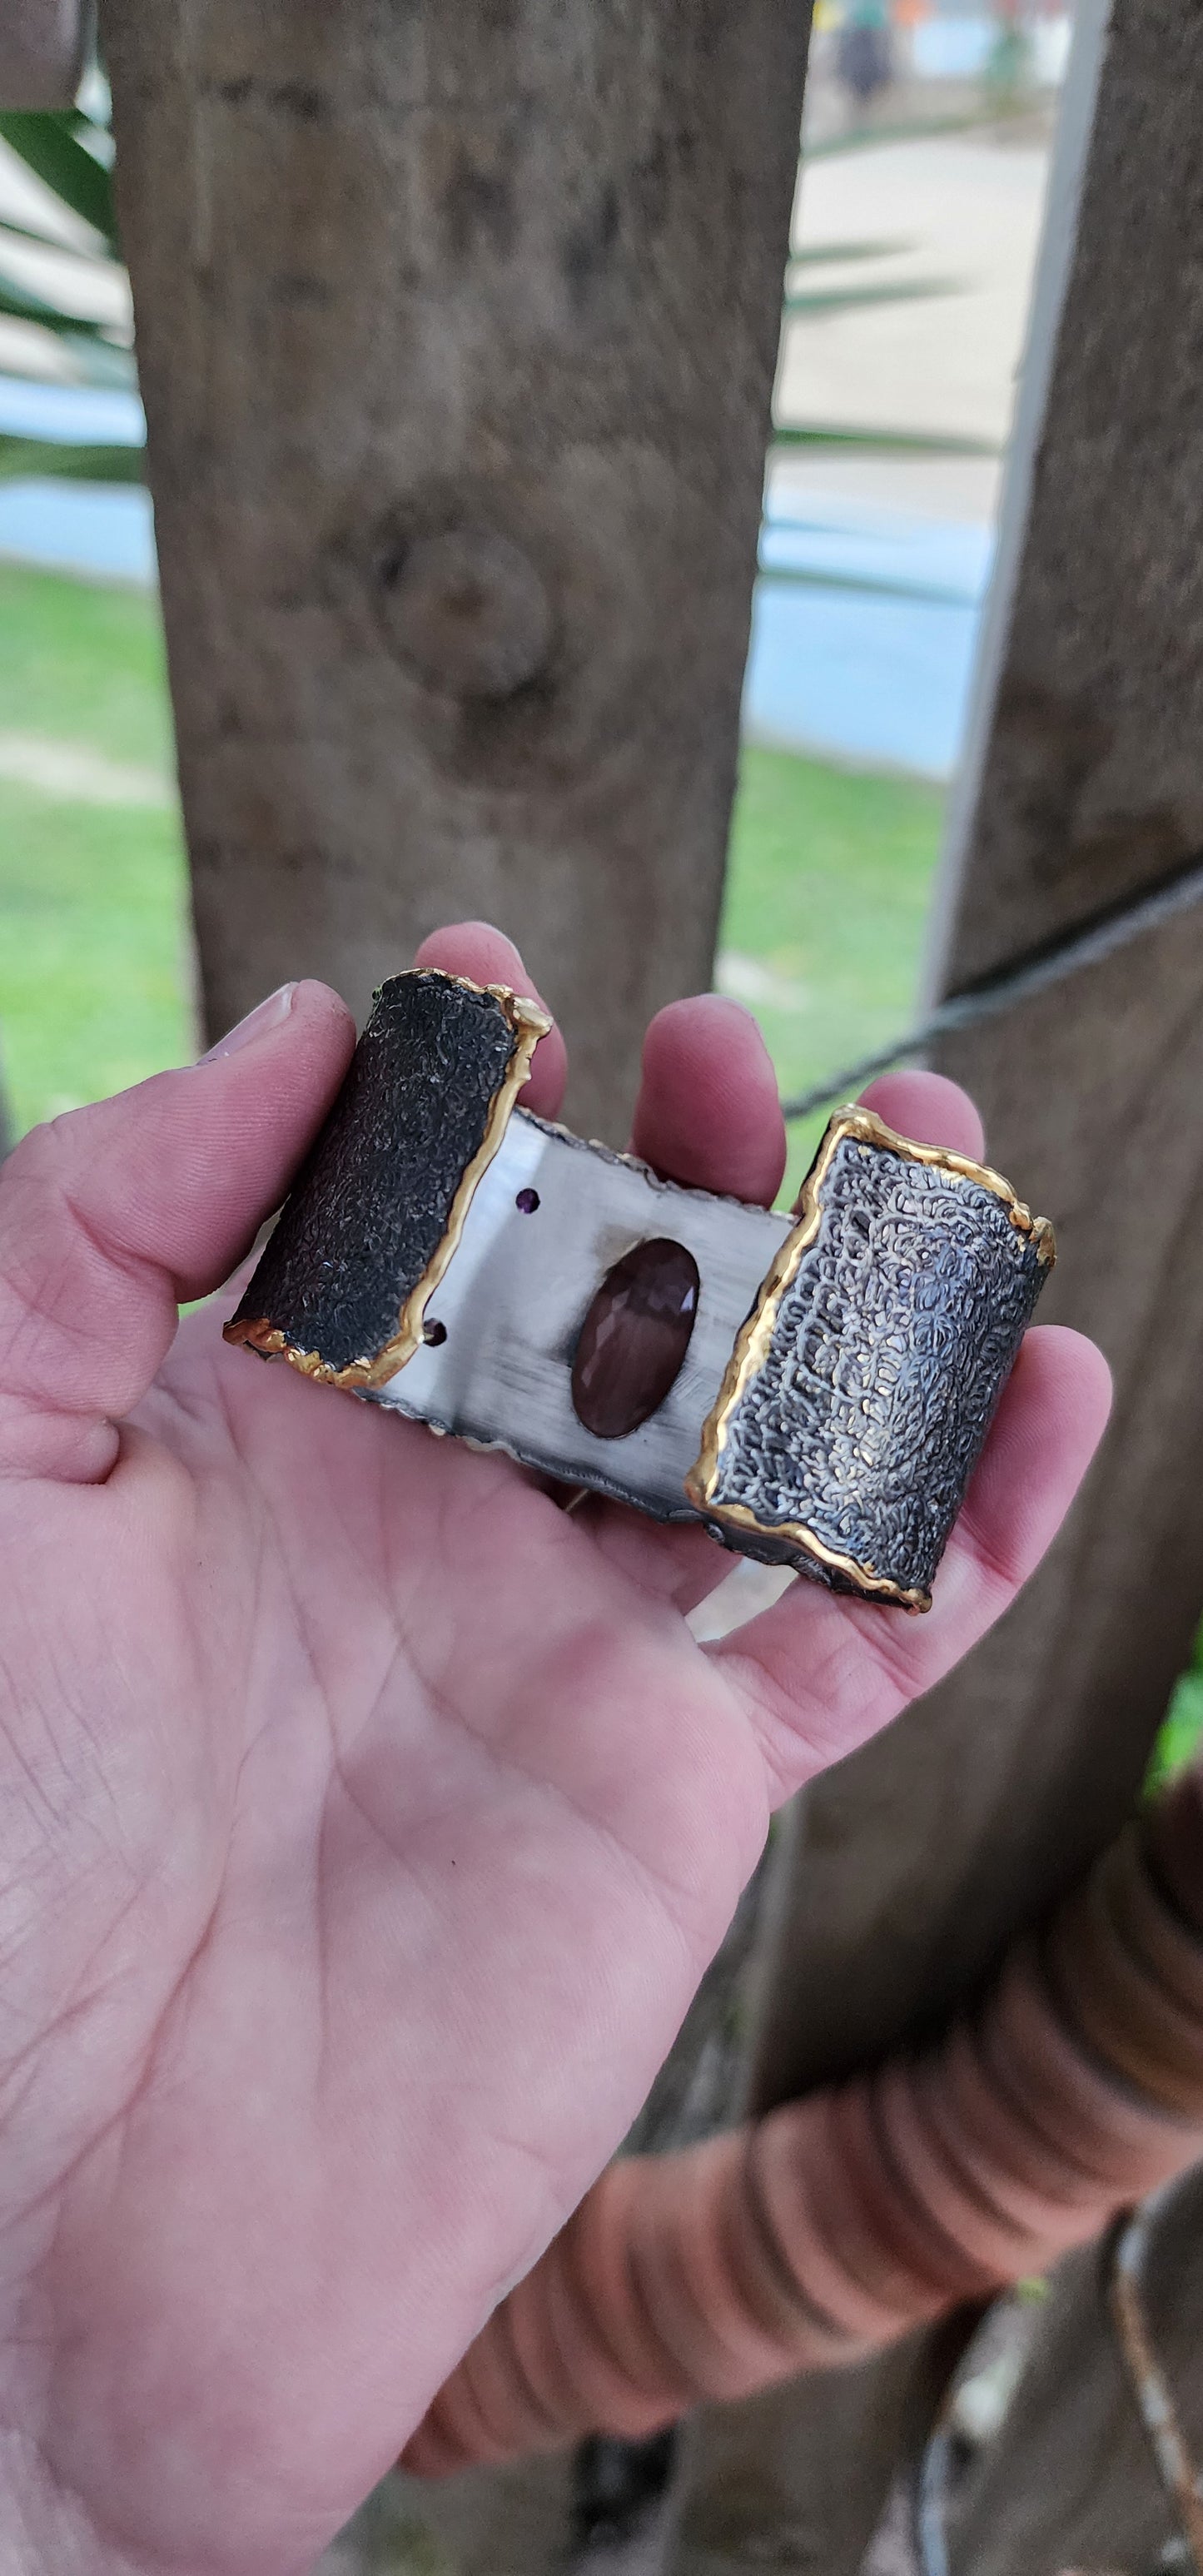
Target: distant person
(865, 52)
(1009, 69)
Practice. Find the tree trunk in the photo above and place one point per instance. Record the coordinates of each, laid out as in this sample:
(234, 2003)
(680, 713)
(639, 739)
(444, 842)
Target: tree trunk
(456, 329)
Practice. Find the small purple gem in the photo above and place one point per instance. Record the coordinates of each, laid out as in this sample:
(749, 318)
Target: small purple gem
(527, 1201)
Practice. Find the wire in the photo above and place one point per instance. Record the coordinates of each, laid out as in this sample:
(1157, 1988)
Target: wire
(1035, 973)
(1150, 2387)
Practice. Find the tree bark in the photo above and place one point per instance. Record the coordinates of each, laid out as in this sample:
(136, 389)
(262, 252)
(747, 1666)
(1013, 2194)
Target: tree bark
(456, 329)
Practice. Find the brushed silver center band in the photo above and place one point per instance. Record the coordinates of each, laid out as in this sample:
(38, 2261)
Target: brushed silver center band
(516, 1292)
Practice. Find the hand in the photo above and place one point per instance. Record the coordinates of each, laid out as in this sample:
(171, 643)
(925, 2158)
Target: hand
(367, 1821)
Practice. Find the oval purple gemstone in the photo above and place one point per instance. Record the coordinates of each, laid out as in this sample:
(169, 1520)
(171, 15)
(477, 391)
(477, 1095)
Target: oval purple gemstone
(634, 1337)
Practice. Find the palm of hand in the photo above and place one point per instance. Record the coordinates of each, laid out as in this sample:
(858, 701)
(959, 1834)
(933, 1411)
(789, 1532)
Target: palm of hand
(368, 1824)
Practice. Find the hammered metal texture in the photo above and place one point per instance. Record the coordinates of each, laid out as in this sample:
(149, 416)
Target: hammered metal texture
(889, 1352)
(371, 1203)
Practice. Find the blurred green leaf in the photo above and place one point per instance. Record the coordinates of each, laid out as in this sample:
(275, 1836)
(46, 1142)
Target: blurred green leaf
(102, 362)
(885, 442)
(49, 145)
(23, 304)
(1181, 1730)
(58, 457)
(838, 299)
(919, 129)
(70, 153)
(44, 240)
(792, 576)
(817, 254)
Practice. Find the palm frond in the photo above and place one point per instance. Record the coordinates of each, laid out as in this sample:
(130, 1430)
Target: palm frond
(20, 457)
(54, 144)
(819, 254)
(23, 304)
(70, 152)
(827, 300)
(11, 228)
(886, 442)
(867, 585)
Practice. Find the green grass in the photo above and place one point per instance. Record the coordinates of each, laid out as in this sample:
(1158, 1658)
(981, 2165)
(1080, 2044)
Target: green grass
(828, 889)
(93, 957)
(95, 973)
(83, 664)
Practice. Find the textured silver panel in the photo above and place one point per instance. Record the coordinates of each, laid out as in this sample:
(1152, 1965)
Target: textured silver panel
(889, 1349)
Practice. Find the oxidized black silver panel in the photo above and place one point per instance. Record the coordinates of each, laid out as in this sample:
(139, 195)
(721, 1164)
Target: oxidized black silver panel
(864, 1386)
(375, 1211)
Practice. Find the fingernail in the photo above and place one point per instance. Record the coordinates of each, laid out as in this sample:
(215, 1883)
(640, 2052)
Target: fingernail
(266, 1015)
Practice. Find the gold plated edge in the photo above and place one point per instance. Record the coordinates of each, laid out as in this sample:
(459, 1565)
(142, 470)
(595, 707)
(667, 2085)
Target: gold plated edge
(878, 1587)
(529, 1022)
(755, 1334)
(258, 1333)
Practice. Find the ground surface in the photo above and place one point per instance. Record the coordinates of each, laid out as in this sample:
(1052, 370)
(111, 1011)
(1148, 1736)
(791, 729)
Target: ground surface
(957, 214)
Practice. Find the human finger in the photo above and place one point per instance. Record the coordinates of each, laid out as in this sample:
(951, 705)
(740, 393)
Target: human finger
(113, 1214)
(475, 949)
(708, 1114)
(708, 1111)
(929, 1109)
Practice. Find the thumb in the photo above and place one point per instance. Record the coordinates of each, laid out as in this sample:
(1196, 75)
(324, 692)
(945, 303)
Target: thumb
(111, 1215)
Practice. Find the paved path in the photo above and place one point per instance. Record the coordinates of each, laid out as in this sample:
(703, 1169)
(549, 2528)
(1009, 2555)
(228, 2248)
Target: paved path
(965, 213)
